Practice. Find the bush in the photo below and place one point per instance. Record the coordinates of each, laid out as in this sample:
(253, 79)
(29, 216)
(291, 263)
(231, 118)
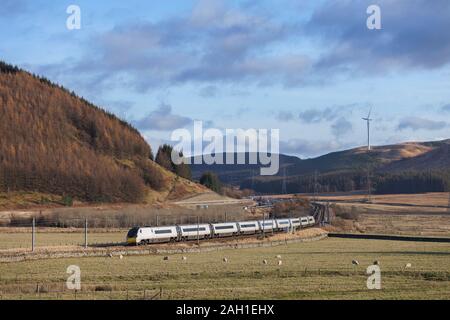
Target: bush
(211, 181)
(353, 214)
(67, 201)
(153, 177)
(103, 287)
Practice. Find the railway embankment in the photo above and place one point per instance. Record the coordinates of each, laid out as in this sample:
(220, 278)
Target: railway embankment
(117, 251)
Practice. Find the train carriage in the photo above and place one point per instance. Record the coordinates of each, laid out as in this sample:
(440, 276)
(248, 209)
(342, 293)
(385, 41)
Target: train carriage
(248, 227)
(283, 224)
(304, 222)
(138, 236)
(192, 232)
(220, 230)
(267, 225)
(311, 221)
(295, 223)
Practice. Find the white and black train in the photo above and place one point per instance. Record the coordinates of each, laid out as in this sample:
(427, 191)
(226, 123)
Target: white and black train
(178, 233)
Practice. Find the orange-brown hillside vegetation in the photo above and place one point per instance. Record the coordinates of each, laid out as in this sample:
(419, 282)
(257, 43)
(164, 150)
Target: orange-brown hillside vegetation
(55, 142)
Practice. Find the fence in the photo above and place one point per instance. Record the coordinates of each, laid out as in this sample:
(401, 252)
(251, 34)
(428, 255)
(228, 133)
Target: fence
(43, 231)
(91, 291)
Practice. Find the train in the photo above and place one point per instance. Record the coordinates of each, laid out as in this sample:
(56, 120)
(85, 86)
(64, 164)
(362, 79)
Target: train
(180, 233)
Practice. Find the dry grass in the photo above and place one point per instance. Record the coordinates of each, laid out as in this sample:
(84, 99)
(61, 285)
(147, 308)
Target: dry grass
(62, 239)
(314, 270)
(423, 199)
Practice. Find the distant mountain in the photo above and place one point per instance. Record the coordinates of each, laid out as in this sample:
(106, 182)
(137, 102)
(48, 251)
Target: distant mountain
(437, 158)
(56, 143)
(235, 173)
(338, 171)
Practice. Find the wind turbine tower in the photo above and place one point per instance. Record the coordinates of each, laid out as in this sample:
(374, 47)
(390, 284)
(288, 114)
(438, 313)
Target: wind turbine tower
(369, 183)
(368, 120)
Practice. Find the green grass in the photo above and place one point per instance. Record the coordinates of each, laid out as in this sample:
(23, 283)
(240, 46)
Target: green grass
(316, 270)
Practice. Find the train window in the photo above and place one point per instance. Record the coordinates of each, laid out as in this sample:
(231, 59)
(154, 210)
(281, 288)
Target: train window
(133, 232)
(224, 227)
(248, 226)
(193, 229)
(163, 231)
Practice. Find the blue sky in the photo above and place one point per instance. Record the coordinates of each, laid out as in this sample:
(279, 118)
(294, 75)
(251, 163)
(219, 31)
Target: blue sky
(309, 68)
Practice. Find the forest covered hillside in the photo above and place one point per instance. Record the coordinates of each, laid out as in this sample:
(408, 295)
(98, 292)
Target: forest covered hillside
(55, 142)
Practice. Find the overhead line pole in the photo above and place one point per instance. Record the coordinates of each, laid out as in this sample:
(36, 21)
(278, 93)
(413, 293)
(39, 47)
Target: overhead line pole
(85, 233)
(33, 234)
(198, 230)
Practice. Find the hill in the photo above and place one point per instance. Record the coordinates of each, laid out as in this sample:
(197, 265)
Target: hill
(56, 143)
(234, 174)
(340, 171)
(438, 158)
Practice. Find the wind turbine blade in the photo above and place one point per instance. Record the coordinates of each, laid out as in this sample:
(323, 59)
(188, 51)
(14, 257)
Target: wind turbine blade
(370, 112)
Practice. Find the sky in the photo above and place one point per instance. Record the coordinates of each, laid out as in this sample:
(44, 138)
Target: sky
(311, 69)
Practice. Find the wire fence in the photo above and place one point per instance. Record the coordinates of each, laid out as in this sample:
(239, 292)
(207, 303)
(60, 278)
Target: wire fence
(43, 231)
(91, 291)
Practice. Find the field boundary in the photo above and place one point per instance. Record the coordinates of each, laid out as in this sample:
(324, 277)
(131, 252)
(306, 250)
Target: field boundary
(388, 237)
(153, 250)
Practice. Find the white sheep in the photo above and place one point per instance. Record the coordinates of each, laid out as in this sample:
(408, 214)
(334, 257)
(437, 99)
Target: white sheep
(408, 265)
(184, 258)
(225, 260)
(280, 263)
(121, 257)
(355, 262)
(278, 257)
(264, 261)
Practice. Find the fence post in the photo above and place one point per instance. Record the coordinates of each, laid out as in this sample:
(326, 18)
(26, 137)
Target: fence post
(33, 234)
(264, 225)
(198, 230)
(85, 233)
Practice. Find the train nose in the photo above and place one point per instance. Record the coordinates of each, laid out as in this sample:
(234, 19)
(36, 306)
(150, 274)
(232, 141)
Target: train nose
(131, 241)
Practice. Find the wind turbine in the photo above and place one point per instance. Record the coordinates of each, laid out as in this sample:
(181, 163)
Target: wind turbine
(369, 184)
(368, 120)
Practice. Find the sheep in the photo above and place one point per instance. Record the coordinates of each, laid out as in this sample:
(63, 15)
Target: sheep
(110, 255)
(408, 265)
(278, 257)
(355, 262)
(225, 260)
(121, 257)
(280, 263)
(376, 262)
(264, 261)
(184, 258)
(166, 258)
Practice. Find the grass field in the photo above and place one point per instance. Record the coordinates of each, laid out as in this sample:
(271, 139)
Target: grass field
(314, 270)
(421, 199)
(22, 239)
